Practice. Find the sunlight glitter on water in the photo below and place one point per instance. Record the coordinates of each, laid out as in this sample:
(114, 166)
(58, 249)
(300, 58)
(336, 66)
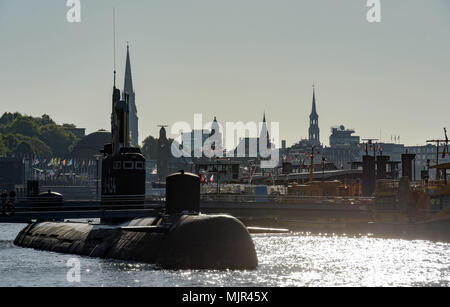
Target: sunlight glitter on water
(284, 260)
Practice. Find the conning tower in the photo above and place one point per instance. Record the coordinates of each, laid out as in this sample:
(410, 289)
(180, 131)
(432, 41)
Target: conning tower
(123, 167)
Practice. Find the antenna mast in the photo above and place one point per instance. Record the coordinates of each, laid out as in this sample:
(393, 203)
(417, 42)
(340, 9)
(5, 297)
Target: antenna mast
(114, 43)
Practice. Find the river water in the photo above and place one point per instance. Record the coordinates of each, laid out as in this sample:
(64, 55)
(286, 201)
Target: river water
(284, 260)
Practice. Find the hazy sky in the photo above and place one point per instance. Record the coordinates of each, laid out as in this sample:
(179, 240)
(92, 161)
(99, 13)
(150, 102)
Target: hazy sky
(234, 59)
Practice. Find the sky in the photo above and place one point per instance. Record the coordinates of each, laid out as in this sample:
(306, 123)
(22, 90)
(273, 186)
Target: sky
(234, 59)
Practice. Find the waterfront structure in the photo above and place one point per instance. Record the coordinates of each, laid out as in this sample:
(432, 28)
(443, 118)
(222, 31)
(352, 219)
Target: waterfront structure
(130, 97)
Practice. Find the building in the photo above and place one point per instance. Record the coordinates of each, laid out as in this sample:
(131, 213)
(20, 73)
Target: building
(130, 97)
(89, 147)
(192, 142)
(12, 172)
(216, 139)
(343, 137)
(249, 147)
(78, 132)
(427, 155)
(163, 154)
(314, 131)
(394, 151)
(344, 147)
(299, 154)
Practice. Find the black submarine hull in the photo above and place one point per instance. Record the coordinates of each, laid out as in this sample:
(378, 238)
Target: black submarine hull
(215, 242)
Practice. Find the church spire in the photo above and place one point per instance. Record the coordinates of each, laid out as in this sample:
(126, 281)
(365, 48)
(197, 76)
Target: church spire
(314, 111)
(314, 131)
(264, 135)
(128, 85)
(129, 97)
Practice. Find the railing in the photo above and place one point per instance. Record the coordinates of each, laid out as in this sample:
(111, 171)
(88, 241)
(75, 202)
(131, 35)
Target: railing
(283, 199)
(28, 211)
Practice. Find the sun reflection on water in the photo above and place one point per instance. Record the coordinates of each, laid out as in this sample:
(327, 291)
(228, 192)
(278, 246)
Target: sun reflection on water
(301, 259)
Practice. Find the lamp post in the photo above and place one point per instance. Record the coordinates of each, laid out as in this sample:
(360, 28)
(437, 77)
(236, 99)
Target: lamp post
(97, 158)
(323, 168)
(218, 178)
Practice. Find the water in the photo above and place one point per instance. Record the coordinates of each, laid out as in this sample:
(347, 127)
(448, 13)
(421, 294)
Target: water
(284, 260)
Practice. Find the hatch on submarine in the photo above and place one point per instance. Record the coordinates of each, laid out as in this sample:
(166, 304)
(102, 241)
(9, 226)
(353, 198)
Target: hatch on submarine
(180, 237)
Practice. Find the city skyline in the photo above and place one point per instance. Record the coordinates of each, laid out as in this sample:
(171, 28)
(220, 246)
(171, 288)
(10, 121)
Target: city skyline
(367, 76)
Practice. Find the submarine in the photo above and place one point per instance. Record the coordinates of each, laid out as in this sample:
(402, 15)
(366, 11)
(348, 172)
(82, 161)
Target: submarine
(179, 237)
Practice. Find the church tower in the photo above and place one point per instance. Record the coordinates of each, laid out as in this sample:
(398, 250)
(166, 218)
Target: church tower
(264, 135)
(216, 137)
(314, 136)
(129, 96)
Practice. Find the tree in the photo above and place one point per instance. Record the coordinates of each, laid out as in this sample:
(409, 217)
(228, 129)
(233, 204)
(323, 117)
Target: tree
(3, 148)
(40, 136)
(40, 149)
(7, 118)
(60, 141)
(21, 145)
(24, 126)
(11, 142)
(24, 149)
(44, 120)
(150, 148)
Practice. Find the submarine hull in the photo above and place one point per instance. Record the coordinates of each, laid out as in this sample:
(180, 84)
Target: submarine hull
(176, 242)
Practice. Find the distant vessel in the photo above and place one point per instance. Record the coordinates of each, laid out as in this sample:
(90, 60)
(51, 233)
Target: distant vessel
(393, 207)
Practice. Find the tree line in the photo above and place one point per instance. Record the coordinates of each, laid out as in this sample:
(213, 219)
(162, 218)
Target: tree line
(27, 136)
